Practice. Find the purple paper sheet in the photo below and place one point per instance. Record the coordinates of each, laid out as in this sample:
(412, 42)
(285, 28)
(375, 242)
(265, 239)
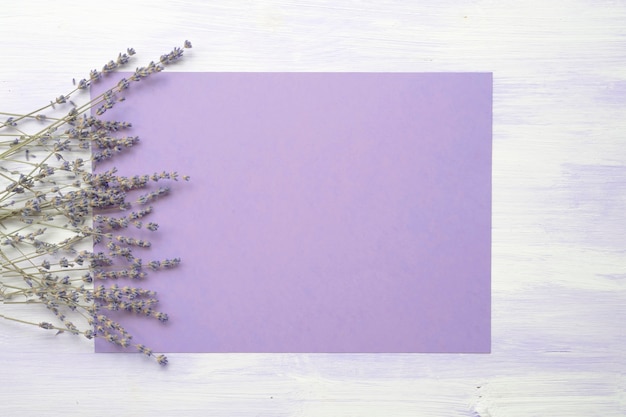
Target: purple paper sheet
(327, 212)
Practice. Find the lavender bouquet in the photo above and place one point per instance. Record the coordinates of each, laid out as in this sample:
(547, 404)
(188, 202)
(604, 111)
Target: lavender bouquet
(64, 225)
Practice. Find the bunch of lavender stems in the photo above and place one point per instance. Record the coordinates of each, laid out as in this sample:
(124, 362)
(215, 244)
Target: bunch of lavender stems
(54, 207)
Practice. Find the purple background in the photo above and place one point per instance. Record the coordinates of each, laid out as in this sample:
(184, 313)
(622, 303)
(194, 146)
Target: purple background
(327, 212)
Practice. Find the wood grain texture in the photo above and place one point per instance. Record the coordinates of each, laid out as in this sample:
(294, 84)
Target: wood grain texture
(559, 198)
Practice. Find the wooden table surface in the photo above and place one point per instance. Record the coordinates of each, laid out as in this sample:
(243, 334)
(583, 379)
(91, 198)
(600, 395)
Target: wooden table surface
(559, 198)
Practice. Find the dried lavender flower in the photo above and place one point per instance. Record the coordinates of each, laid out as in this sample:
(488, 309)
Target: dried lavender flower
(54, 209)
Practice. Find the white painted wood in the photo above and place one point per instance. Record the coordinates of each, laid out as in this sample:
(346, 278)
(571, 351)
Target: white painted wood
(559, 200)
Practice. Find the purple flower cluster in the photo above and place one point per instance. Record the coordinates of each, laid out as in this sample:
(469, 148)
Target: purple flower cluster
(52, 206)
